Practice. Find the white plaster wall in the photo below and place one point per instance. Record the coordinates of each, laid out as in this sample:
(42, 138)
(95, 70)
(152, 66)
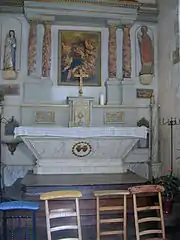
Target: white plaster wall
(21, 161)
(168, 81)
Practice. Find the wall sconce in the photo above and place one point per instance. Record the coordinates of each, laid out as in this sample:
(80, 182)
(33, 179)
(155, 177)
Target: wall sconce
(10, 125)
(12, 145)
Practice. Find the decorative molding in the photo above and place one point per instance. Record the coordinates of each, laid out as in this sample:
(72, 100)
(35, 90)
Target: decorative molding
(146, 11)
(116, 3)
(114, 117)
(53, 105)
(144, 93)
(56, 9)
(10, 89)
(45, 117)
(11, 6)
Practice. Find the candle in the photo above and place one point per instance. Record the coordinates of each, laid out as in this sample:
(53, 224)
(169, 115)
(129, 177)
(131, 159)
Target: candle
(101, 99)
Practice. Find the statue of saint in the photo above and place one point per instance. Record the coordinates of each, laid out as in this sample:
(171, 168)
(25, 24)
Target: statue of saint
(10, 56)
(10, 51)
(146, 51)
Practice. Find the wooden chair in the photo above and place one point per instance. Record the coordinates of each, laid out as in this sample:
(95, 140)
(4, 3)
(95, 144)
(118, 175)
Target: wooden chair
(62, 213)
(148, 189)
(19, 220)
(108, 209)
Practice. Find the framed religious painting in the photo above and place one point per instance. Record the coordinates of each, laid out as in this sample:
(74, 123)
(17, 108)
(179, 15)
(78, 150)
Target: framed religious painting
(79, 55)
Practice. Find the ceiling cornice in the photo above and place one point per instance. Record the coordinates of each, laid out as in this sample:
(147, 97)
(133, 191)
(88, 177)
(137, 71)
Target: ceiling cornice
(144, 12)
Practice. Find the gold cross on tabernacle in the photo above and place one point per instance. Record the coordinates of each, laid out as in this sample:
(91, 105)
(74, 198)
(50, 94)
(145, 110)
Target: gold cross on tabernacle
(80, 75)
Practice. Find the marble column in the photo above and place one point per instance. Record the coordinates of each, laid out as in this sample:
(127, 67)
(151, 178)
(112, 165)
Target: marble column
(46, 51)
(112, 55)
(127, 68)
(32, 45)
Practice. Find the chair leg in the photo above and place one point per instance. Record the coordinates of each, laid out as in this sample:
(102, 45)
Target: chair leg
(4, 226)
(78, 219)
(97, 218)
(34, 224)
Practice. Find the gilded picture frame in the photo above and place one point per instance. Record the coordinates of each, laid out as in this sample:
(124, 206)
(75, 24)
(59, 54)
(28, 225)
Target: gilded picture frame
(79, 50)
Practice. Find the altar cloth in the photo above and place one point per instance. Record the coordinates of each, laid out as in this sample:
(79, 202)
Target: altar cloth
(81, 132)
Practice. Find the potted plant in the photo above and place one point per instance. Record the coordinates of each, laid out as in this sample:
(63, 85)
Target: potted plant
(171, 186)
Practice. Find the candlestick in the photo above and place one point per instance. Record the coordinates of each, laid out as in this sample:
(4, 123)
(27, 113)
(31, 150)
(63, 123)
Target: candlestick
(171, 122)
(101, 99)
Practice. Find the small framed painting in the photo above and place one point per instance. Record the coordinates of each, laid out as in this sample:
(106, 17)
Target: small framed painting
(79, 50)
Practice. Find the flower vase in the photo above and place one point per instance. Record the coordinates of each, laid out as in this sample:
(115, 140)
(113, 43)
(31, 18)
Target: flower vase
(167, 206)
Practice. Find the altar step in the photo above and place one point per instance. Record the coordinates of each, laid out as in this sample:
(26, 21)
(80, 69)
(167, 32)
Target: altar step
(33, 185)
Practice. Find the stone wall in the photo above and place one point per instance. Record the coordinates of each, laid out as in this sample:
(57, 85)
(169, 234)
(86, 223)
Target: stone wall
(169, 79)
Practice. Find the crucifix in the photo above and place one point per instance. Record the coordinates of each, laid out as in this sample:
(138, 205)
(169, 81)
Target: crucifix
(80, 75)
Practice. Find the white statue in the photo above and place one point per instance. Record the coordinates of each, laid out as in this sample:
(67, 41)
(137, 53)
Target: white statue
(10, 56)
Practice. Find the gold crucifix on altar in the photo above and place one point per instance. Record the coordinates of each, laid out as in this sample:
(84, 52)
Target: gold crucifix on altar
(81, 75)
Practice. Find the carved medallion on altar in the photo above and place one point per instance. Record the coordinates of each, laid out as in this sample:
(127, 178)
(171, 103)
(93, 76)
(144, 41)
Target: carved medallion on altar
(81, 149)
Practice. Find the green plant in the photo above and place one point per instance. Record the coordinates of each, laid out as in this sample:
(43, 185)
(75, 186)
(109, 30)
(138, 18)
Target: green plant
(170, 183)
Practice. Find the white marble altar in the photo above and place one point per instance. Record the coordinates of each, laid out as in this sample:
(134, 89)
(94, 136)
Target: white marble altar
(80, 150)
(37, 96)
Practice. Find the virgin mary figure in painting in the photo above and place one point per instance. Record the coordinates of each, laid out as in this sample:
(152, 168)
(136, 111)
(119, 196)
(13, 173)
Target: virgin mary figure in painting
(10, 56)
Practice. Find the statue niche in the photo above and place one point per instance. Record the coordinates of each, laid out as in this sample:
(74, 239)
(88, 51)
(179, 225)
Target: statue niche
(9, 61)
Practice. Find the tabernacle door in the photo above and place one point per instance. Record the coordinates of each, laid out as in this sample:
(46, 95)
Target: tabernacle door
(80, 111)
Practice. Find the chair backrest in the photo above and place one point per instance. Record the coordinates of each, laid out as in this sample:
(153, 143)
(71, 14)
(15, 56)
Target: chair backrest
(109, 209)
(62, 213)
(154, 190)
(19, 219)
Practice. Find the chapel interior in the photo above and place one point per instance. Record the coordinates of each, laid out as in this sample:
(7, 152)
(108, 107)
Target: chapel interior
(89, 112)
